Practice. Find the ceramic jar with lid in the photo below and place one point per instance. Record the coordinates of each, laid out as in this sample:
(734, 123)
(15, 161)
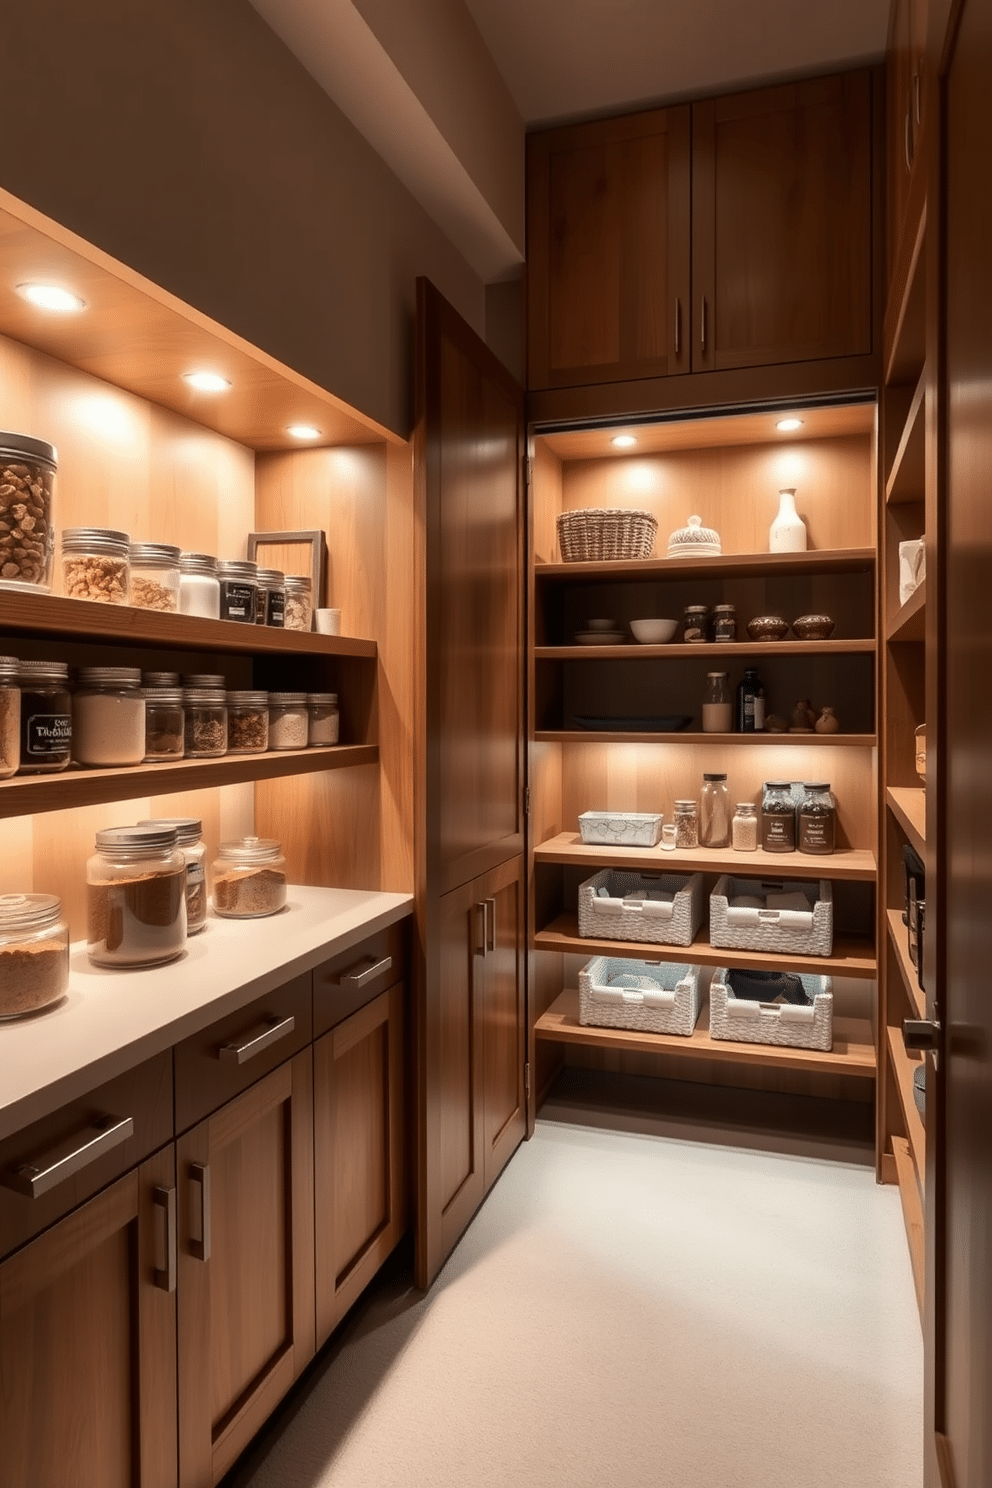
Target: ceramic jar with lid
(10, 717)
(27, 524)
(154, 576)
(108, 717)
(299, 603)
(34, 953)
(135, 897)
(694, 541)
(322, 709)
(96, 564)
(249, 878)
(238, 582)
(199, 586)
(189, 840)
(46, 717)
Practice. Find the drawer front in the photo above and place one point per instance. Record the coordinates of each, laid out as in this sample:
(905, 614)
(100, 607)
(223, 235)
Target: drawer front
(69, 1156)
(214, 1066)
(345, 983)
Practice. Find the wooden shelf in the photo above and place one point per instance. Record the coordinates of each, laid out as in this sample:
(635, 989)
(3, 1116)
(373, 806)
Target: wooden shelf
(568, 847)
(912, 1213)
(904, 329)
(727, 565)
(908, 804)
(909, 623)
(903, 1067)
(631, 651)
(853, 1052)
(26, 794)
(820, 741)
(897, 935)
(908, 473)
(852, 956)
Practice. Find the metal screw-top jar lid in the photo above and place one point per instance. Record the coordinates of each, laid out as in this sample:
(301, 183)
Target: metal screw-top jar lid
(205, 696)
(108, 676)
(714, 777)
(251, 849)
(160, 679)
(258, 699)
(188, 829)
(725, 609)
(685, 805)
(28, 911)
(778, 785)
(155, 553)
(26, 444)
(137, 839)
(273, 578)
(298, 582)
(163, 697)
(745, 806)
(9, 668)
(322, 699)
(104, 540)
(203, 679)
(817, 785)
(288, 699)
(199, 563)
(237, 569)
(43, 671)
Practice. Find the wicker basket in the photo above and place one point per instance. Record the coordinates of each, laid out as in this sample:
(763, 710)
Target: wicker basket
(599, 535)
(621, 828)
(806, 932)
(746, 1022)
(648, 997)
(616, 916)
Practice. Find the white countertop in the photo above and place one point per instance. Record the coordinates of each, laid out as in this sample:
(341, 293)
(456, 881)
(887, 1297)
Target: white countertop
(112, 1020)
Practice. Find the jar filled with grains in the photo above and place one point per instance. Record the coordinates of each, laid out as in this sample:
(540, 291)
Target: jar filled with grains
(189, 840)
(247, 722)
(249, 878)
(95, 564)
(154, 576)
(199, 586)
(778, 817)
(270, 598)
(135, 897)
(27, 527)
(299, 603)
(164, 723)
(34, 953)
(744, 828)
(322, 708)
(46, 717)
(10, 717)
(686, 824)
(108, 717)
(205, 722)
(237, 590)
(817, 819)
(288, 722)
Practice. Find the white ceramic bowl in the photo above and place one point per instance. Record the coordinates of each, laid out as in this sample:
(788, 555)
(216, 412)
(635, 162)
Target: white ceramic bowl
(653, 632)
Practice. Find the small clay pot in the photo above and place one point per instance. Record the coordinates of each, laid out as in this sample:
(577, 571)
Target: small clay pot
(827, 723)
(813, 627)
(767, 628)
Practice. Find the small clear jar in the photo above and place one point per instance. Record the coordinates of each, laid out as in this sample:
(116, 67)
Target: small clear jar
(154, 576)
(289, 725)
(249, 878)
(199, 586)
(714, 812)
(718, 709)
(817, 819)
(725, 623)
(10, 717)
(778, 817)
(108, 717)
(237, 590)
(27, 525)
(744, 828)
(135, 897)
(324, 719)
(696, 624)
(96, 564)
(189, 840)
(165, 720)
(686, 824)
(247, 722)
(270, 598)
(205, 722)
(46, 717)
(299, 603)
(34, 953)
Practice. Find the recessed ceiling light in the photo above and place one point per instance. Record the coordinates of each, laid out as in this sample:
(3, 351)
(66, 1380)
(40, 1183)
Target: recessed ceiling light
(788, 425)
(623, 441)
(207, 382)
(303, 431)
(50, 297)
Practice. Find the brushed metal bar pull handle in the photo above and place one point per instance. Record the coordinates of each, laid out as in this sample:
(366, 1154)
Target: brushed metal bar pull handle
(490, 905)
(103, 1134)
(922, 1034)
(355, 978)
(199, 1173)
(678, 326)
(908, 151)
(702, 324)
(165, 1276)
(917, 91)
(258, 1039)
(482, 945)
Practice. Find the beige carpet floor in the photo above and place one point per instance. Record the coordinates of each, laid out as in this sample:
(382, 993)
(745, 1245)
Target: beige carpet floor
(632, 1308)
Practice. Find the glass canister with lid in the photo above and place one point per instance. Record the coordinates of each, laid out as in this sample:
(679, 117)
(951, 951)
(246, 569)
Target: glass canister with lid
(165, 719)
(817, 818)
(249, 878)
(27, 524)
(247, 722)
(154, 576)
(686, 824)
(199, 586)
(238, 582)
(135, 897)
(34, 953)
(270, 598)
(299, 603)
(10, 717)
(324, 725)
(108, 717)
(205, 722)
(189, 840)
(714, 812)
(96, 564)
(289, 726)
(46, 717)
(778, 817)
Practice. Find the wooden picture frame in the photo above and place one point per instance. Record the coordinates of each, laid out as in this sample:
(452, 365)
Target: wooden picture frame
(301, 553)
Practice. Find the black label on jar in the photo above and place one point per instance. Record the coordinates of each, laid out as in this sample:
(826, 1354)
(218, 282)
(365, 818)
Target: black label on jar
(778, 831)
(47, 735)
(237, 602)
(816, 831)
(277, 608)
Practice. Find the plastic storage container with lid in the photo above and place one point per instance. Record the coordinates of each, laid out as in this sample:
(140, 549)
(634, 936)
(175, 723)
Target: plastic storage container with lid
(96, 564)
(27, 524)
(299, 603)
(154, 576)
(270, 597)
(34, 953)
(165, 720)
(238, 582)
(46, 717)
(189, 840)
(108, 717)
(324, 725)
(247, 722)
(10, 717)
(289, 726)
(135, 897)
(249, 878)
(205, 722)
(199, 586)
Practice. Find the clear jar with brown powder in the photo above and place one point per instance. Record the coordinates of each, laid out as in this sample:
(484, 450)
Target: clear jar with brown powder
(10, 717)
(249, 878)
(135, 897)
(34, 953)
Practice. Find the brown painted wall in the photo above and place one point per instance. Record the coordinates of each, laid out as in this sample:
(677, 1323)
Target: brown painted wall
(182, 137)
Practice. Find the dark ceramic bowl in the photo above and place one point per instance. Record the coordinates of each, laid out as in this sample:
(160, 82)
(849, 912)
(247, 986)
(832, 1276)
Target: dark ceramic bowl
(813, 627)
(767, 628)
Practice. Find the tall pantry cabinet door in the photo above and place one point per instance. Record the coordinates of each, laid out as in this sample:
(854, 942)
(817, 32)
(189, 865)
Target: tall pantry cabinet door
(246, 1283)
(500, 1008)
(782, 224)
(88, 1343)
(608, 250)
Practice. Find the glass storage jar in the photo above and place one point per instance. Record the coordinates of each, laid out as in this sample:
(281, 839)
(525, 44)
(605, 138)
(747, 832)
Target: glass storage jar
(164, 724)
(288, 722)
(744, 828)
(199, 586)
(237, 590)
(95, 564)
(10, 717)
(205, 722)
(718, 710)
(27, 523)
(324, 724)
(817, 819)
(154, 576)
(34, 953)
(696, 623)
(270, 598)
(299, 603)
(778, 817)
(135, 897)
(189, 840)
(686, 824)
(249, 878)
(714, 812)
(247, 722)
(46, 717)
(724, 623)
(108, 717)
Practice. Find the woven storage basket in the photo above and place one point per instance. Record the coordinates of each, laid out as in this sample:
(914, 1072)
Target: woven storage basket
(598, 535)
(625, 828)
(804, 932)
(670, 1005)
(746, 1022)
(616, 918)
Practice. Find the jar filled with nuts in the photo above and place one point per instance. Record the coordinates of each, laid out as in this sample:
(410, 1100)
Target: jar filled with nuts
(205, 729)
(95, 564)
(154, 576)
(27, 532)
(299, 603)
(247, 722)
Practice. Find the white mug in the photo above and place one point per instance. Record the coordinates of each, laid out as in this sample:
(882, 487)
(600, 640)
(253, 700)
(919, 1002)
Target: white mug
(328, 622)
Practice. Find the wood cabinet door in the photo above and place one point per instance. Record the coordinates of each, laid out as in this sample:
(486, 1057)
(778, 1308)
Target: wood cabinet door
(608, 250)
(360, 1191)
(782, 224)
(246, 1283)
(500, 1008)
(88, 1343)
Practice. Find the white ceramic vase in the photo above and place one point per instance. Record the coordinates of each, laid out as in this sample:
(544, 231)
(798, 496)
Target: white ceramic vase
(787, 534)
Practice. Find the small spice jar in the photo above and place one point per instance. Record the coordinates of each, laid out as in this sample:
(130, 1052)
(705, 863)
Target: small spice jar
(696, 623)
(108, 717)
(27, 527)
(205, 723)
(247, 722)
(289, 725)
(10, 717)
(46, 717)
(744, 828)
(270, 598)
(189, 840)
(299, 603)
(34, 953)
(135, 897)
(249, 878)
(817, 819)
(714, 812)
(164, 723)
(96, 564)
(199, 586)
(237, 590)
(324, 720)
(724, 622)
(778, 817)
(686, 824)
(154, 576)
